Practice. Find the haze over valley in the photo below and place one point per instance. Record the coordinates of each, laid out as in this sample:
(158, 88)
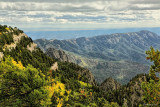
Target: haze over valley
(72, 34)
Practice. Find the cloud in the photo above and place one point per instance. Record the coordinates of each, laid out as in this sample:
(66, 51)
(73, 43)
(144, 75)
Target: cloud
(95, 13)
(145, 2)
(145, 7)
(60, 7)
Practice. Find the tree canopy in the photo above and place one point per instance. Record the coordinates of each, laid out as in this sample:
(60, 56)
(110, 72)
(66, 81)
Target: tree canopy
(152, 87)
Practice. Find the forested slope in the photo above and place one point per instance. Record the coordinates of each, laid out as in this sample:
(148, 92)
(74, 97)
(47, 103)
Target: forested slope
(27, 80)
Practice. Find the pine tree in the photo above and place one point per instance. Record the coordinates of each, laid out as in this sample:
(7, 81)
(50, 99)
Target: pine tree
(152, 88)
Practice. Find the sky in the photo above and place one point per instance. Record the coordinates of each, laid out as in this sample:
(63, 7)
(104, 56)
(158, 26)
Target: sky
(48, 15)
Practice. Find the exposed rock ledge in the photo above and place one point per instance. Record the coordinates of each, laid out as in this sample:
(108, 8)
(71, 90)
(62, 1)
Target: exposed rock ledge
(110, 84)
(57, 54)
(1, 55)
(54, 66)
(16, 39)
(32, 46)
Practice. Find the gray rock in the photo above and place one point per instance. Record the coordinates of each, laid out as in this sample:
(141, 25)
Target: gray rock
(110, 84)
(1, 55)
(57, 54)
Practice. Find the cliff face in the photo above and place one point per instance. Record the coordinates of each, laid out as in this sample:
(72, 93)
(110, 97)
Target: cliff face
(1, 55)
(136, 91)
(110, 84)
(129, 95)
(87, 74)
(16, 39)
(57, 54)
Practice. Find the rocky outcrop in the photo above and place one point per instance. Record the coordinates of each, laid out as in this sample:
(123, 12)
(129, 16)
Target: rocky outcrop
(1, 55)
(54, 66)
(16, 39)
(87, 74)
(57, 54)
(135, 89)
(32, 47)
(110, 84)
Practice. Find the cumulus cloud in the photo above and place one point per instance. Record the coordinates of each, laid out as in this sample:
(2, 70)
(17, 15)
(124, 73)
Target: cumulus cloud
(104, 13)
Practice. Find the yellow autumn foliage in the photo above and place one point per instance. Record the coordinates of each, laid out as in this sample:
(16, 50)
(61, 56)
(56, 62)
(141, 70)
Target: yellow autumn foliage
(57, 89)
(51, 90)
(83, 84)
(42, 74)
(68, 92)
(19, 64)
(7, 28)
(60, 102)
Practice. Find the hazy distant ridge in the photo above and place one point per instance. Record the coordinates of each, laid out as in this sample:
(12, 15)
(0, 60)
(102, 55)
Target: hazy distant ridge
(70, 34)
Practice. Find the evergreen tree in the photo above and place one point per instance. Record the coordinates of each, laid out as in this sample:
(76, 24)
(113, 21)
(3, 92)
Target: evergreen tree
(152, 88)
(22, 86)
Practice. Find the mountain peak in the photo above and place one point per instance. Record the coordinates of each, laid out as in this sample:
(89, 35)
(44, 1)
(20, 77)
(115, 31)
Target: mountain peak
(145, 31)
(110, 84)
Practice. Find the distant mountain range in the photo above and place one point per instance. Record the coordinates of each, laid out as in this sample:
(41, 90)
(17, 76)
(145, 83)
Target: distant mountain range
(72, 34)
(119, 55)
